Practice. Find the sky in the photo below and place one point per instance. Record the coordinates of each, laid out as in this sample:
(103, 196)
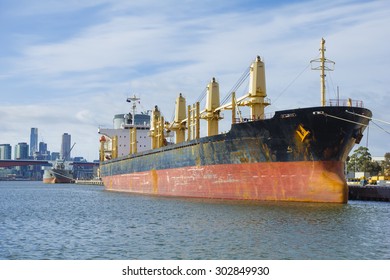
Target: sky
(68, 66)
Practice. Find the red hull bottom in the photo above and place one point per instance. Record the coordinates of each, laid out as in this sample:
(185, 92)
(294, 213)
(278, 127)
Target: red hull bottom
(309, 181)
(56, 181)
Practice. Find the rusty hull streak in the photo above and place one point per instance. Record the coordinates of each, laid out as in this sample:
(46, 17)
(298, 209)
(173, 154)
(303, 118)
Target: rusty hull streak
(300, 181)
(257, 160)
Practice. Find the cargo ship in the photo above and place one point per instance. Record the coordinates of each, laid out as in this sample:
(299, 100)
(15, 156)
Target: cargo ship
(58, 174)
(296, 155)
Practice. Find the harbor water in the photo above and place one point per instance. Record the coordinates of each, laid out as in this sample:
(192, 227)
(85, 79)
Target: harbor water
(66, 221)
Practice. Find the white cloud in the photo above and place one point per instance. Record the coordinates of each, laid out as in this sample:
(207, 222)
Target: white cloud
(137, 47)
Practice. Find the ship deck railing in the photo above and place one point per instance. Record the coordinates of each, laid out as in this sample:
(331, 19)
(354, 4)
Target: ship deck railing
(330, 103)
(345, 102)
(250, 119)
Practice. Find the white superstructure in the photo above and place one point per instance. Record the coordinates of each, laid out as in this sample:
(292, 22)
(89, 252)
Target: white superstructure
(122, 125)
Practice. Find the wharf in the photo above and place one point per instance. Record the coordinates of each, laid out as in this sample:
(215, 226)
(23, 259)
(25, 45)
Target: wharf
(369, 192)
(89, 182)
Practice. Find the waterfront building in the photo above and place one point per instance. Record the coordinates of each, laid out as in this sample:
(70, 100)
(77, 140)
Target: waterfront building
(43, 152)
(55, 155)
(65, 146)
(21, 151)
(33, 141)
(5, 151)
(79, 159)
(42, 148)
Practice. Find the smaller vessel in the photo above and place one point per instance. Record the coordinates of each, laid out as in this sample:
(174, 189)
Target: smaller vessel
(58, 174)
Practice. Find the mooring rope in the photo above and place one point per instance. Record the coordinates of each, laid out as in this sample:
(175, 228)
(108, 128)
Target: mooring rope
(363, 116)
(346, 120)
(380, 127)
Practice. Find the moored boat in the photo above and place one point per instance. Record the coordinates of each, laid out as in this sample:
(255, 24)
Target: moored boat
(58, 174)
(296, 155)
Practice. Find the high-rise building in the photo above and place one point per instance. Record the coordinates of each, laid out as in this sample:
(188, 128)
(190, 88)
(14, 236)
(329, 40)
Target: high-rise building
(43, 152)
(21, 151)
(33, 141)
(42, 148)
(55, 155)
(5, 151)
(65, 146)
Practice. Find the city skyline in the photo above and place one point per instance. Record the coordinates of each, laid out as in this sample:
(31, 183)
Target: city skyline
(14, 150)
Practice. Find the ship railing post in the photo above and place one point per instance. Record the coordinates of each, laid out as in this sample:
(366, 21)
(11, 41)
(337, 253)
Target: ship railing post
(102, 150)
(161, 130)
(193, 121)
(115, 147)
(233, 107)
(158, 132)
(197, 120)
(133, 140)
(189, 120)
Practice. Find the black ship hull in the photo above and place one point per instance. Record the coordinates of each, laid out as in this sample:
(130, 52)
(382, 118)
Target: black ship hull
(297, 155)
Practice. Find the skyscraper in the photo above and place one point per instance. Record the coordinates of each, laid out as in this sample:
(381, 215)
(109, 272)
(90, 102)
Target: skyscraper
(65, 146)
(5, 151)
(43, 152)
(21, 151)
(33, 141)
(42, 148)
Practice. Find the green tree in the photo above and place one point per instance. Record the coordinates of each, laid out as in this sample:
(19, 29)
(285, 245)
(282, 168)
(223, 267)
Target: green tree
(374, 168)
(359, 160)
(386, 165)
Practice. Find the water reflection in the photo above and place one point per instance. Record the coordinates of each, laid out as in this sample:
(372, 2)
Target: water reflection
(79, 222)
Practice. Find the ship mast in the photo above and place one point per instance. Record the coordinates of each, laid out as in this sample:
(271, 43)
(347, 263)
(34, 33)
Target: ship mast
(323, 67)
(133, 107)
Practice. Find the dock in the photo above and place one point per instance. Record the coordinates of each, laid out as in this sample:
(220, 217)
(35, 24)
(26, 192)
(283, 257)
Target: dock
(89, 182)
(369, 192)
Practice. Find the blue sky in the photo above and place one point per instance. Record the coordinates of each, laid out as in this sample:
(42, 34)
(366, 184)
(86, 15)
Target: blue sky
(68, 66)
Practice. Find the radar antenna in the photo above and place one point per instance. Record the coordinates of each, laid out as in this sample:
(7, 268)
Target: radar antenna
(133, 99)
